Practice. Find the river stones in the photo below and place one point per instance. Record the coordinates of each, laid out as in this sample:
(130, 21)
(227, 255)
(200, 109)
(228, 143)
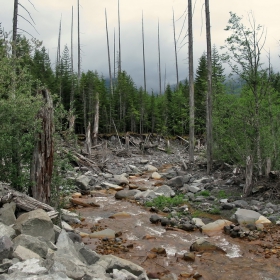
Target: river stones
(201, 245)
(106, 233)
(215, 227)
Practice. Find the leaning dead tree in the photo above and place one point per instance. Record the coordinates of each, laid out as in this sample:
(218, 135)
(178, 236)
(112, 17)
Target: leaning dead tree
(42, 161)
(191, 83)
(209, 91)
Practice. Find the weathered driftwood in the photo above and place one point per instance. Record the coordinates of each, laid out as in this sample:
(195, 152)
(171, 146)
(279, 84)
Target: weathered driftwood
(26, 202)
(42, 162)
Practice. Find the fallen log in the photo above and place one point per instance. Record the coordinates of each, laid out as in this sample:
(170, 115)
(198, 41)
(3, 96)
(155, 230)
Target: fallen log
(26, 202)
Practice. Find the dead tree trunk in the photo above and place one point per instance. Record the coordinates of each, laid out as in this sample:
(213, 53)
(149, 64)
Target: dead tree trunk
(249, 176)
(144, 62)
(42, 162)
(209, 92)
(119, 22)
(191, 83)
(159, 68)
(175, 49)
(15, 22)
(79, 44)
(88, 140)
(109, 59)
(96, 120)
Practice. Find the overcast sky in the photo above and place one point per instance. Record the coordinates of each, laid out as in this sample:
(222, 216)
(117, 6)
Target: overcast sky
(93, 35)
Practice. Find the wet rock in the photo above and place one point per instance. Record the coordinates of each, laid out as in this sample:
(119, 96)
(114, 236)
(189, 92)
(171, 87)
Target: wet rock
(244, 216)
(187, 227)
(6, 247)
(123, 194)
(198, 222)
(215, 227)
(190, 257)
(176, 182)
(155, 219)
(109, 233)
(201, 245)
(82, 182)
(120, 215)
(165, 222)
(70, 217)
(171, 276)
(29, 223)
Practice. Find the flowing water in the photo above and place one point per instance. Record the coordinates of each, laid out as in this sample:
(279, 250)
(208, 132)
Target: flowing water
(138, 237)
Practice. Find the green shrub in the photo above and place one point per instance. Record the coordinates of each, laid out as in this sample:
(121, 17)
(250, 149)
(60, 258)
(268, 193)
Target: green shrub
(161, 202)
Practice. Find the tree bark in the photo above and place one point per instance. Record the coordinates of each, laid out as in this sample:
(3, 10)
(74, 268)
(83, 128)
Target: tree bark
(42, 162)
(144, 62)
(15, 22)
(249, 176)
(96, 120)
(88, 140)
(159, 67)
(119, 23)
(79, 44)
(175, 49)
(191, 83)
(108, 51)
(209, 92)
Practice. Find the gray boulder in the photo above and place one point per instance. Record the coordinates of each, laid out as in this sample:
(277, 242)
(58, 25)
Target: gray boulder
(6, 230)
(123, 194)
(24, 254)
(35, 223)
(176, 182)
(6, 247)
(7, 214)
(32, 243)
(202, 245)
(165, 190)
(241, 204)
(82, 182)
(120, 179)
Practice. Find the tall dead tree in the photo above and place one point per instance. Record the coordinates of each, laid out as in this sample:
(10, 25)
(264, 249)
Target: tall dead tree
(71, 115)
(42, 162)
(159, 67)
(96, 119)
(119, 23)
(58, 45)
(79, 44)
(191, 83)
(209, 92)
(108, 50)
(175, 49)
(114, 55)
(15, 23)
(144, 62)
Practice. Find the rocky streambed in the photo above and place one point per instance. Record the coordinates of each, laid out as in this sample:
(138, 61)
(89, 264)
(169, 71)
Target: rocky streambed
(147, 217)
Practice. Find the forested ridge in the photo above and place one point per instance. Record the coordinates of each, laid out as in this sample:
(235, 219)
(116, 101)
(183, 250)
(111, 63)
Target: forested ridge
(245, 117)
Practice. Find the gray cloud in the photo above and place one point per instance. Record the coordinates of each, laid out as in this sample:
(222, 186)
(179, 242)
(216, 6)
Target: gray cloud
(93, 36)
